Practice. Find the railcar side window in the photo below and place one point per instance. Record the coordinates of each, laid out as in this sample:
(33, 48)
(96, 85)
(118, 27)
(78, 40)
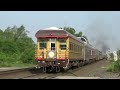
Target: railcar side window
(70, 46)
(42, 43)
(91, 52)
(62, 44)
(78, 48)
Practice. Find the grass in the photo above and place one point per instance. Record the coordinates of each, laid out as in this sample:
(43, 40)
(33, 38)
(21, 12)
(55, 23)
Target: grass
(114, 67)
(16, 64)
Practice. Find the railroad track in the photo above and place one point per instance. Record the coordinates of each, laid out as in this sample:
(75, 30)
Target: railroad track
(8, 74)
(25, 73)
(30, 73)
(33, 73)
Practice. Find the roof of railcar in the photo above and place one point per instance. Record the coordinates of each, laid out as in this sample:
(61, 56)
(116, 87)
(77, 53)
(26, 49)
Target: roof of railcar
(56, 32)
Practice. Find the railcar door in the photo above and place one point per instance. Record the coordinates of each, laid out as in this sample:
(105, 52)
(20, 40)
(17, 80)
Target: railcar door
(52, 51)
(53, 43)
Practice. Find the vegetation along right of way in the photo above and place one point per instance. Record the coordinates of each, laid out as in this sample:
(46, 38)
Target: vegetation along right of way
(115, 65)
(17, 49)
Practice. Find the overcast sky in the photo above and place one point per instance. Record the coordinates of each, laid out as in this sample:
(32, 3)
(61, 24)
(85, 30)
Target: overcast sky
(98, 26)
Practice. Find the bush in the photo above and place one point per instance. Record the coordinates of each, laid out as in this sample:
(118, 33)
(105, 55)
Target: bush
(27, 56)
(16, 47)
(114, 67)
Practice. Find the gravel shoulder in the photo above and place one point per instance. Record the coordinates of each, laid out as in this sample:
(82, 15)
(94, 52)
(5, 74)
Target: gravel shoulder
(95, 70)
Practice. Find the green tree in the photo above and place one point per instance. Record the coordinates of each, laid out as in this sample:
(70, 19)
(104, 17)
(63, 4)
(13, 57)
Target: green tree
(70, 30)
(73, 31)
(78, 34)
(1, 35)
(20, 33)
(16, 47)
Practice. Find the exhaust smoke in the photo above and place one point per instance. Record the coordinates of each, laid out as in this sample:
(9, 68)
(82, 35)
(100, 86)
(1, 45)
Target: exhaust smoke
(100, 35)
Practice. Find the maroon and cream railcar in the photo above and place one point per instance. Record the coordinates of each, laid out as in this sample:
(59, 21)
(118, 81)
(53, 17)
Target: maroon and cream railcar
(57, 48)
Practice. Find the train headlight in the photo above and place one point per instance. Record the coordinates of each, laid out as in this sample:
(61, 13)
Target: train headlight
(43, 61)
(51, 54)
(38, 61)
(41, 56)
(64, 61)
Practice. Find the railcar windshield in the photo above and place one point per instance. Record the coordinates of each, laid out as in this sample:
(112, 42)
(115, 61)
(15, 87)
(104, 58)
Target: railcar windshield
(62, 44)
(43, 43)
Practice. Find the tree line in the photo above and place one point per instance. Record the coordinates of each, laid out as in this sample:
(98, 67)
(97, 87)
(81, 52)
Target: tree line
(16, 47)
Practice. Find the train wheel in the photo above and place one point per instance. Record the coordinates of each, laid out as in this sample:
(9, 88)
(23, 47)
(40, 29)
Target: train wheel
(82, 63)
(44, 69)
(48, 69)
(57, 69)
(78, 64)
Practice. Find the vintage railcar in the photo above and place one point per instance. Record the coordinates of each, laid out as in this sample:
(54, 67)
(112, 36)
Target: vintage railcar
(58, 49)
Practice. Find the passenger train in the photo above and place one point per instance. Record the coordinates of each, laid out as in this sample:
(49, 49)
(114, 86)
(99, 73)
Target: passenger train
(59, 50)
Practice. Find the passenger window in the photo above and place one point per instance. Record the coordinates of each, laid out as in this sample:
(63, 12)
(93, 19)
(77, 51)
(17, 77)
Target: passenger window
(62, 44)
(70, 46)
(78, 48)
(42, 43)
